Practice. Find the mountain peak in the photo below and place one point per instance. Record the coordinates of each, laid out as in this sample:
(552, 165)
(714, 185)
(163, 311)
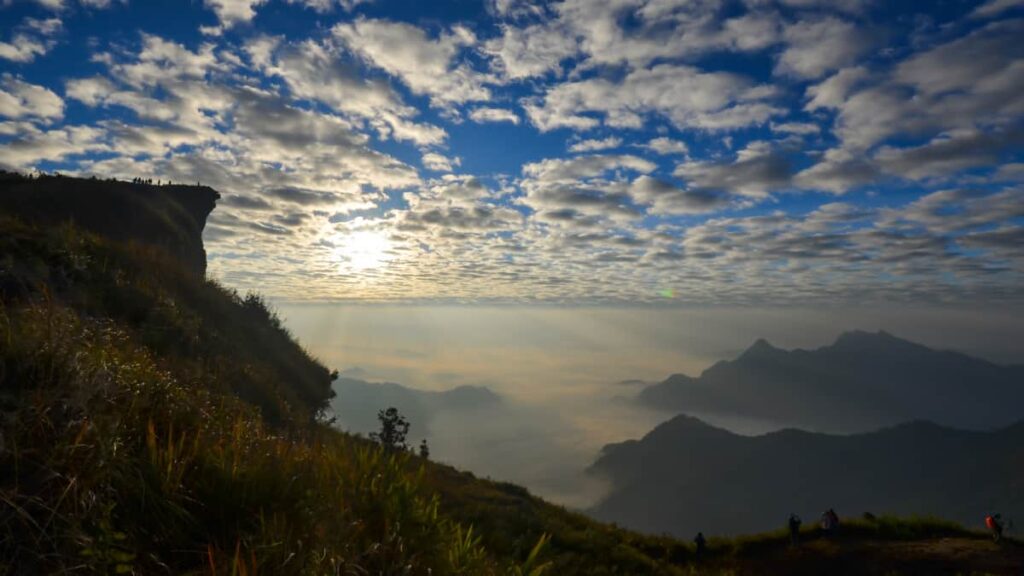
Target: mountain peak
(759, 348)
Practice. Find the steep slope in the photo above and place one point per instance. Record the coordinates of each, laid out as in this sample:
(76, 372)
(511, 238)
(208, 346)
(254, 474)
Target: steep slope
(686, 476)
(861, 382)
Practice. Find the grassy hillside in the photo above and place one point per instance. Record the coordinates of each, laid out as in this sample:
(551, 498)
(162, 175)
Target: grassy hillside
(153, 422)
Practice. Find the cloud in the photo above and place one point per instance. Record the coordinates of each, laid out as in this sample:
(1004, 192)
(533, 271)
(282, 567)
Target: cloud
(531, 51)
(995, 7)
(583, 190)
(324, 6)
(663, 145)
(32, 39)
(666, 199)
(426, 65)
(19, 99)
(457, 205)
(686, 96)
(798, 128)
(233, 12)
(484, 115)
(315, 71)
(22, 49)
(814, 47)
(27, 145)
(638, 32)
(949, 153)
(758, 170)
(832, 92)
(439, 162)
(595, 145)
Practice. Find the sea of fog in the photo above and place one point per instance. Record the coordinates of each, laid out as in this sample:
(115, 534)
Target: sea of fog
(567, 374)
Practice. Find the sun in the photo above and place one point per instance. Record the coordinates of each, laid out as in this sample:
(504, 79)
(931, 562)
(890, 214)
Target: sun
(361, 250)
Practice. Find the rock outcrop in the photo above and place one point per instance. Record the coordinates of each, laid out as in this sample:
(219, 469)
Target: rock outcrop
(169, 216)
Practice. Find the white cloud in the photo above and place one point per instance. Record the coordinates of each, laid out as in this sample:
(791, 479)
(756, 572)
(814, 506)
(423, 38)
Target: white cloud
(948, 153)
(20, 99)
(22, 48)
(584, 190)
(484, 115)
(667, 199)
(849, 6)
(799, 128)
(44, 26)
(531, 51)
(758, 170)
(426, 65)
(324, 6)
(439, 162)
(316, 71)
(33, 39)
(663, 145)
(686, 96)
(595, 144)
(232, 12)
(832, 92)
(995, 7)
(660, 29)
(814, 47)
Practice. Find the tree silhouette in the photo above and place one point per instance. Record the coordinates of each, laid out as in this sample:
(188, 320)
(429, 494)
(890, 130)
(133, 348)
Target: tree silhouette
(393, 428)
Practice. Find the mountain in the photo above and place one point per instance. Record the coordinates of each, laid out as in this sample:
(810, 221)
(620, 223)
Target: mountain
(861, 382)
(357, 401)
(686, 476)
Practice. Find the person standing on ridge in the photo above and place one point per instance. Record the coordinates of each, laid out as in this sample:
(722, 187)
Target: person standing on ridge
(794, 529)
(701, 543)
(995, 525)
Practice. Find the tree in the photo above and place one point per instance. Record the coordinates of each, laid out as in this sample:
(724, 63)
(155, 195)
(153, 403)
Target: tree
(393, 428)
(424, 449)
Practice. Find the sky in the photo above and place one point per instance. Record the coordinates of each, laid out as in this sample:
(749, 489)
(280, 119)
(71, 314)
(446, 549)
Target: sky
(622, 152)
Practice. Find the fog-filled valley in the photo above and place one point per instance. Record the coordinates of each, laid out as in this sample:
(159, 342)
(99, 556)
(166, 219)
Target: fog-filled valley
(532, 394)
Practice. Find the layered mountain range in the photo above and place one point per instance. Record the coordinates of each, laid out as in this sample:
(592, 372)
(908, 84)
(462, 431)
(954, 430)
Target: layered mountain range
(861, 382)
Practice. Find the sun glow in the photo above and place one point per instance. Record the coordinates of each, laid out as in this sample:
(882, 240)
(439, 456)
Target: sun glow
(361, 250)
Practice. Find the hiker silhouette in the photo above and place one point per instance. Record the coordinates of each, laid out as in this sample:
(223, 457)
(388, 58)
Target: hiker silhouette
(794, 529)
(995, 525)
(701, 543)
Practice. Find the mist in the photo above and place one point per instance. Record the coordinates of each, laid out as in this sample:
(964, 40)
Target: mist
(566, 374)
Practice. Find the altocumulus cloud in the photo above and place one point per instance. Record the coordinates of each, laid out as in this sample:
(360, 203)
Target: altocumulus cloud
(721, 151)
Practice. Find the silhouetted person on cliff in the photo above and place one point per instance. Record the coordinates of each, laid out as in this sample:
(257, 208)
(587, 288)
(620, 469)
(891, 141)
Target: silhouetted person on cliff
(794, 529)
(701, 545)
(830, 522)
(995, 526)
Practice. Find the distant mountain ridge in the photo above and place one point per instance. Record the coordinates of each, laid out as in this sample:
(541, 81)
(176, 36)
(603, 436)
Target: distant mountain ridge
(357, 402)
(861, 382)
(687, 476)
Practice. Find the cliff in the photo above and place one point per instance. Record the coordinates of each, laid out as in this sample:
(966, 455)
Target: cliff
(171, 217)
